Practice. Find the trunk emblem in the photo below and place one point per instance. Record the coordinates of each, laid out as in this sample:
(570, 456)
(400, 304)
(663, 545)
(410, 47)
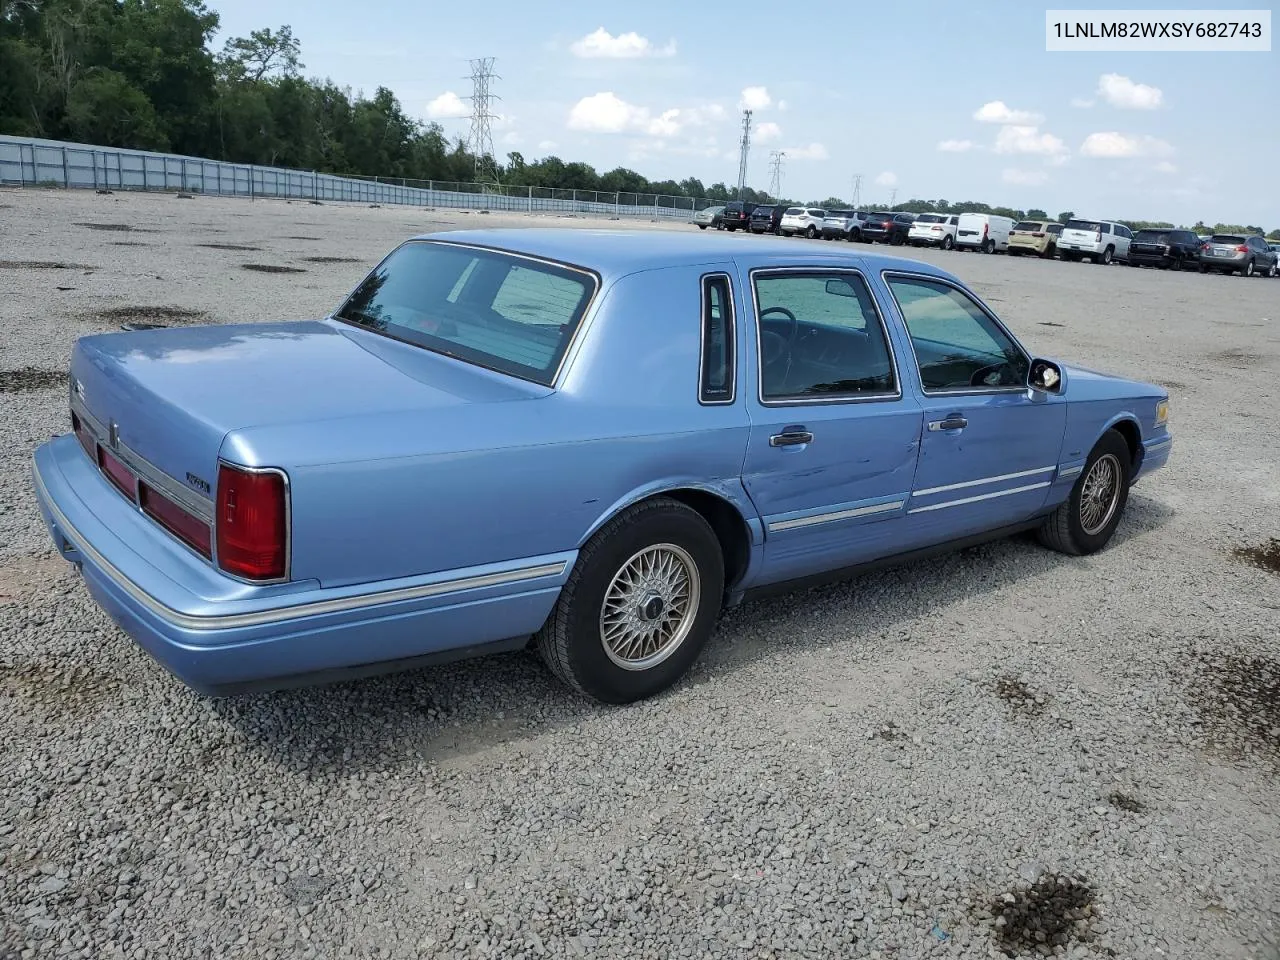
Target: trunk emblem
(197, 482)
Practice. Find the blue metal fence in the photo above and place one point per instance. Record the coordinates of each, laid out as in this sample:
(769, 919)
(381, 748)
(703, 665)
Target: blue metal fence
(31, 162)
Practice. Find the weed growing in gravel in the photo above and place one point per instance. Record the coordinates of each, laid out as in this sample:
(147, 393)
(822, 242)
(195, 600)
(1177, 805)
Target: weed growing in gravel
(1052, 912)
(30, 378)
(1126, 803)
(1020, 697)
(271, 268)
(1265, 556)
(1239, 696)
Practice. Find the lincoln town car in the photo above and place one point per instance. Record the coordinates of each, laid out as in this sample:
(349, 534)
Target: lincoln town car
(588, 441)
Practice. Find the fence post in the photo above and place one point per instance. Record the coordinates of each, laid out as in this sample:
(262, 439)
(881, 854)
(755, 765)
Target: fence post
(66, 175)
(145, 184)
(616, 212)
(251, 196)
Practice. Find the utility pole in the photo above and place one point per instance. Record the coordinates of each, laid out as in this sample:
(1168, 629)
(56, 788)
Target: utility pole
(893, 197)
(857, 191)
(481, 141)
(775, 174)
(746, 147)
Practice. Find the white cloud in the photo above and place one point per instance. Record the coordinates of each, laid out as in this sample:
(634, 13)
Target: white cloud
(666, 125)
(1081, 103)
(955, 146)
(448, 104)
(1120, 91)
(1164, 166)
(1113, 145)
(625, 46)
(998, 112)
(767, 131)
(812, 151)
(605, 113)
(755, 98)
(782, 105)
(547, 144)
(887, 179)
(1024, 178)
(1059, 160)
(512, 139)
(1024, 139)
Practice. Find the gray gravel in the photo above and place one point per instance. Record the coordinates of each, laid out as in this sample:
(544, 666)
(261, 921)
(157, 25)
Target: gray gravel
(1000, 752)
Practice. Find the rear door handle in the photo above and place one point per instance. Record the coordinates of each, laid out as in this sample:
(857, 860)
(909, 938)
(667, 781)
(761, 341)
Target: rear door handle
(953, 422)
(791, 437)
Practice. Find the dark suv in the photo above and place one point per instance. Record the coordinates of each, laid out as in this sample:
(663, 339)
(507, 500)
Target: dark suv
(887, 227)
(766, 218)
(1164, 248)
(737, 214)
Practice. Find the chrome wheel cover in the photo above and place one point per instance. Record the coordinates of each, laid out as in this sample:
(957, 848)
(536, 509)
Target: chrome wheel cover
(1100, 494)
(649, 606)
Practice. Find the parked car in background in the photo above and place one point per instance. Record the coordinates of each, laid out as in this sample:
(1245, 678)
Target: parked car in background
(1036, 237)
(883, 227)
(766, 218)
(988, 232)
(934, 230)
(1233, 253)
(737, 215)
(626, 432)
(837, 224)
(803, 220)
(1164, 248)
(709, 217)
(1099, 240)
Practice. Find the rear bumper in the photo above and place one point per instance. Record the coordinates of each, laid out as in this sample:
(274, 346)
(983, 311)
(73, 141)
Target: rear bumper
(1154, 259)
(1030, 246)
(1224, 263)
(929, 240)
(254, 638)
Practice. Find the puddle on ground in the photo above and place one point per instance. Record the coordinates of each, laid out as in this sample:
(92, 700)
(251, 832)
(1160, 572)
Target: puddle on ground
(31, 378)
(1265, 556)
(271, 268)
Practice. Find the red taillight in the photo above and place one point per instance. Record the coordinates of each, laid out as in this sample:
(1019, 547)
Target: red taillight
(984, 229)
(194, 533)
(1242, 249)
(115, 471)
(250, 523)
(1097, 236)
(83, 435)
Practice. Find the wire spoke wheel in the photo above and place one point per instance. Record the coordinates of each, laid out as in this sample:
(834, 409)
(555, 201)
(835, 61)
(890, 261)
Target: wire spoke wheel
(1100, 494)
(650, 606)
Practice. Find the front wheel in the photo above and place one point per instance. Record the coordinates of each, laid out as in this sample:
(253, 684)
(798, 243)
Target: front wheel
(1085, 522)
(639, 605)
(811, 232)
(1247, 269)
(947, 242)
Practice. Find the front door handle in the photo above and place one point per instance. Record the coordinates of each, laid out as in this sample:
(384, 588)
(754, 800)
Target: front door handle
(953, 422)
(791, 437)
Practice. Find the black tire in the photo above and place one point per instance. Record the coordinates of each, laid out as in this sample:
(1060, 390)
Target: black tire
(947, 242)
(1064, 530)
(570, 641)
(702, 226)
(810, 232)
(1204, 268)
(1247, 269)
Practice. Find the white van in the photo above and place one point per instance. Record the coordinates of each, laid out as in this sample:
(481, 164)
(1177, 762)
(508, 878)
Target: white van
(1100, 240)
(988, 232)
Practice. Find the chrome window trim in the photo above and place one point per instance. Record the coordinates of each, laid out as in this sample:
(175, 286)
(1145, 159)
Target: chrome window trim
(960, 288)
(596, 281)
(896, 394)
(930, 491)
(229, 621)
(849, 514)
(198, 506)
(731, 346)
(288, 524)
(980, 497)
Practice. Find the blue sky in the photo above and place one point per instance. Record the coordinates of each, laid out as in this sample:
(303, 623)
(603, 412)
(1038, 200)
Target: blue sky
(937, 100)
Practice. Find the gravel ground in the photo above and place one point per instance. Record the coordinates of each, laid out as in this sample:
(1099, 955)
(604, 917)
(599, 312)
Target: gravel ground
(1003, 752)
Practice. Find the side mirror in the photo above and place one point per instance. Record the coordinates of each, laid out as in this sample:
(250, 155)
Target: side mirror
(1045, 376)
(840, 288)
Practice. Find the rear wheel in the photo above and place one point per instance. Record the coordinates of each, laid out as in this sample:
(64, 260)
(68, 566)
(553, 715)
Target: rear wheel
(988, 246)
(702, 226)
(1085, 522)
(1271, 271)
(811, 232)
(947, 242)
(1106, 256)
(1247, 269)
(640, 604)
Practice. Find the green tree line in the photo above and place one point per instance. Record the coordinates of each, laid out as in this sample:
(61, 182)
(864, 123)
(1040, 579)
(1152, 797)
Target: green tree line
(144, 74)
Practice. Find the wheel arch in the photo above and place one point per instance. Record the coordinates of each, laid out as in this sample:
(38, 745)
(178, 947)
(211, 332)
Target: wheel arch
(1126, 424)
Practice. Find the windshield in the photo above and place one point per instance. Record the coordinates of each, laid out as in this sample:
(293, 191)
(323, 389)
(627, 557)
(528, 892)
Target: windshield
(1092, 226)
(1226, 238)
(931, 218)
(1034, 226)
(487, 307)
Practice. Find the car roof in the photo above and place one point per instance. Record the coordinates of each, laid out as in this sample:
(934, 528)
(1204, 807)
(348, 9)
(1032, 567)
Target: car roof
(614, 253)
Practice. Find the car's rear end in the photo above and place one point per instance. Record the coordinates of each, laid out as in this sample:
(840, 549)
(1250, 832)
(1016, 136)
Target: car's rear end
(737, 215)
(877, 227)
(973, 232)
(1030, 237)
(835, 225)
(1151, 248)
(763, 218)
(708, 217)
(793, 221)
(1227, 252)
(928, 230)
(1081, 238)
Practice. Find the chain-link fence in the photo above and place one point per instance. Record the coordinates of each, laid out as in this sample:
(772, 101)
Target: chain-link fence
(30, 162)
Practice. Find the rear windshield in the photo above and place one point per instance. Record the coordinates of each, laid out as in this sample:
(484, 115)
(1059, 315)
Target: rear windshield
(1226, 238)
(1093, 226)
(487, 307)
(879, 216)
(794, 211)
(839, 214)
(931, 218)
(1152, 236)
(1032, 225)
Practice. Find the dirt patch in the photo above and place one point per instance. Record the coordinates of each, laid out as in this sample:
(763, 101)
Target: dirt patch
(1128, 804)
(1050, 323)
(304, 238)
(28, 379)
(227, 246)
(891, 731)
(29, 575)
(332, 259)
(1265, 556)
(1052, 912)
(41, 265)
(271, 268)
(130, 243)
(1236, 357)
(112, 227)
(62, 689)
(141, 314)
(1021, 698)
(1238, 698)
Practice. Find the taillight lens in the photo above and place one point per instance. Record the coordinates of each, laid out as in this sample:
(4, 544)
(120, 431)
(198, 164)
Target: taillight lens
(119, 475)
(250, 524)
(1242, 249)
(194, 533)
(83, 435)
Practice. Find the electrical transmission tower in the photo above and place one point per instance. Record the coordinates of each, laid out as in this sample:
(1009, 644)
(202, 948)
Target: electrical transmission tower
(746, 147)
(857, 190)
(481, 141)
(775, 174)
(893, 197)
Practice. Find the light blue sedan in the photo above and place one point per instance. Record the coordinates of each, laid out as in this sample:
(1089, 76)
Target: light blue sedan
(594, 441)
